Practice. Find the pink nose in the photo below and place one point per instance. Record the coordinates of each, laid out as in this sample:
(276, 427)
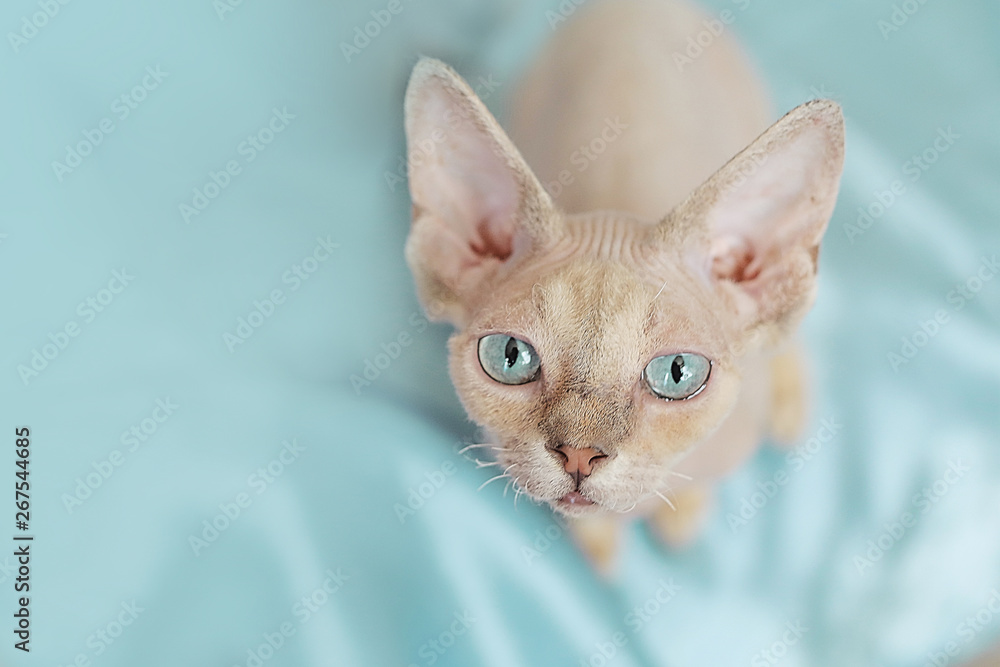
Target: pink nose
(579, 462)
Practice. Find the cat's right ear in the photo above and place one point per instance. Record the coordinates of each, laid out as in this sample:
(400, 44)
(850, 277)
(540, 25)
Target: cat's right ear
(476, 203)
(753, 229)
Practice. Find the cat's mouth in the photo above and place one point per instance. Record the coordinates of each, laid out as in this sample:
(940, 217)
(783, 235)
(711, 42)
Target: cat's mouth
(576, 504)
(575, 499)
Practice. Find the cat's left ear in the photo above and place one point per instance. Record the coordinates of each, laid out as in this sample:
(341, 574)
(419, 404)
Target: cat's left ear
(754, 227)
(476, 203)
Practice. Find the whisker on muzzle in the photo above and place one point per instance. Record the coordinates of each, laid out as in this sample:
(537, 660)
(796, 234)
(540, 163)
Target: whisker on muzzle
(666, 500)
(482, 445)
(492, 479)
(505, 473)
(627, 509)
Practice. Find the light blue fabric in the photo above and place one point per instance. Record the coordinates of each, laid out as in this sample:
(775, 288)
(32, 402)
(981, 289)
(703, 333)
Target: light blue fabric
(467, 578)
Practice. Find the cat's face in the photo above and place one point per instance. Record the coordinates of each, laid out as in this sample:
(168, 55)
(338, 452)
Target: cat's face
(598, 349)
(604, 347)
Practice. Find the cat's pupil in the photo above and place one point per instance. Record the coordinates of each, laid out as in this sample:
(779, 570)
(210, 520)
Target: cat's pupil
(677, 368)
(510, 352)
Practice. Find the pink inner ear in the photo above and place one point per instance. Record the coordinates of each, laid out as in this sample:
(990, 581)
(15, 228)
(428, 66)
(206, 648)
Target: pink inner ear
(492, 239)
(468, 185)
(734, 258)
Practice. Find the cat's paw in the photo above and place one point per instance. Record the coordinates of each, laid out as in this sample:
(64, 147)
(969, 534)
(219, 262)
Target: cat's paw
(598, 537)
(789, 397)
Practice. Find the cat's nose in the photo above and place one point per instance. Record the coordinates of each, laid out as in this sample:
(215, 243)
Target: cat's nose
(579, 462)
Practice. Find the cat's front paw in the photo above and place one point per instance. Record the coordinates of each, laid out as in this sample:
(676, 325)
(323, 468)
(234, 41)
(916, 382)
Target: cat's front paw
(598, 538)
(789, 399)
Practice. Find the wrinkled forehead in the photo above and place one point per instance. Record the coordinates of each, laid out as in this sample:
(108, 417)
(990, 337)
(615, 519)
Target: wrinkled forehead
(603, 318)
(604, 298)
(593, 297)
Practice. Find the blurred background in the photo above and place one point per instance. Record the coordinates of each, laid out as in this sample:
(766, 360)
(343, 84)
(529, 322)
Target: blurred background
(243, 439)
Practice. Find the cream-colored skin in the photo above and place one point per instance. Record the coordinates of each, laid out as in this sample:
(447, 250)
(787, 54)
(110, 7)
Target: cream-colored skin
(658, 246)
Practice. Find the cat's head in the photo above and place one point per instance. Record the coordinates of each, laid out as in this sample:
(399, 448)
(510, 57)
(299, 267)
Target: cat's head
(598, 349)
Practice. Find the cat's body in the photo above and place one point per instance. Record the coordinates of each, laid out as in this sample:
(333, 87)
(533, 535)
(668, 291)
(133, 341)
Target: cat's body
(619, 358)
(615, 61)
(624, 65)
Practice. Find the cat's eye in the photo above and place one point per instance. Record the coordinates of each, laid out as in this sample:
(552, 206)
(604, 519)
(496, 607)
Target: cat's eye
(508, 360)
(676, 377)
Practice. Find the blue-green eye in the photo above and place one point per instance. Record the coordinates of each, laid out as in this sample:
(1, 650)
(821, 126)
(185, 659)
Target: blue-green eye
(507, 359)
(677, 376)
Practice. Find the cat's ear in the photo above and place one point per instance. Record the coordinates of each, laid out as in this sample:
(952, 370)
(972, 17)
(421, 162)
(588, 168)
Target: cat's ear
(476, 203)
(754, 227)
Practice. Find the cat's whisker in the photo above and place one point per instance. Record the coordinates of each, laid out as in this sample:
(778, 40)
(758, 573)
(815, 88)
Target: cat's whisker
(517, 491)
(492, 479)
(626, 511)
(666, 500)
(506, 473)
(681, 475)
(479, 445)
(660, 292)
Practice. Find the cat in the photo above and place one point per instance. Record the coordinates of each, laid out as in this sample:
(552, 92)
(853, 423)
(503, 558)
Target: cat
(625, 306)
